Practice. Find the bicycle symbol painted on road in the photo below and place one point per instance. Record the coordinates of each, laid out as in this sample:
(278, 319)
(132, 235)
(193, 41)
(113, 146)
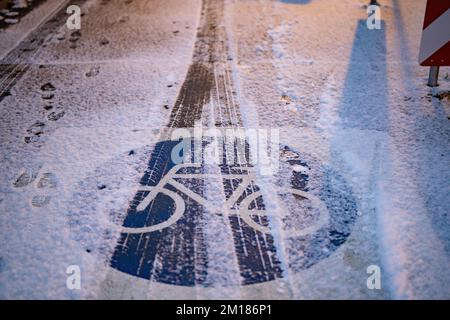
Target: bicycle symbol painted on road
(162, 235)
(246, 177)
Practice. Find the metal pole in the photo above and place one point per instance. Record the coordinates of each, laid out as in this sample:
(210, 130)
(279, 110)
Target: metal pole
(433, 77)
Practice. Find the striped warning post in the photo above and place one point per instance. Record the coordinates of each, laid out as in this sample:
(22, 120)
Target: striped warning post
(435, 44)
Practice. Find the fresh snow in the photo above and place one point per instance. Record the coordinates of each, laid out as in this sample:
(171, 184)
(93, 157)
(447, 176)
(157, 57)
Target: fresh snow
(351, 101)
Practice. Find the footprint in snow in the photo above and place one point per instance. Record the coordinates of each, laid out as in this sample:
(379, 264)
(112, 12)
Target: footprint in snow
(47, 91)
(32, 139)
(48, 87)
(47, 181)
(93, 71)
(26, 177)
(48, 107)
(55, 116)
(36, 128)
(73, 38)
(40, 201)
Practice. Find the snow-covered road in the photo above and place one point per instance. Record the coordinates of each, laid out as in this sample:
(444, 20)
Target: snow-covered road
(87, 156)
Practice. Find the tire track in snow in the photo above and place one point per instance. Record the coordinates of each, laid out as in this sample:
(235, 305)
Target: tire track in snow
(182, 254)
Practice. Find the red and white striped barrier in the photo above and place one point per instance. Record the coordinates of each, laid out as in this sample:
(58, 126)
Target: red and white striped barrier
(435, 44)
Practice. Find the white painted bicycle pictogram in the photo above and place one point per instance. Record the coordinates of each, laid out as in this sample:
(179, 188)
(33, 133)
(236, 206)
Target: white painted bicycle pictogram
(230, 206)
